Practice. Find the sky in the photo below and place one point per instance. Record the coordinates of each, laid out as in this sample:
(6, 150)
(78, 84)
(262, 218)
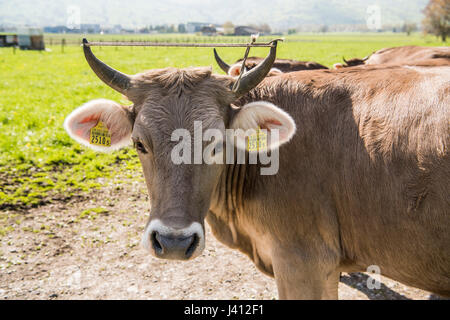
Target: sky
(139, 13)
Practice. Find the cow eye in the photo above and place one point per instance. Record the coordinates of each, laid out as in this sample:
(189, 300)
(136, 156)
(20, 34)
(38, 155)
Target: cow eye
(139, 147)
(218, 148)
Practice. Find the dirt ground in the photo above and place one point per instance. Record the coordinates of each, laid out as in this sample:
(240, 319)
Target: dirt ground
(89, 248)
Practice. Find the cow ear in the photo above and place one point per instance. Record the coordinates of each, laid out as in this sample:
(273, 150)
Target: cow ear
(235, 70)
(266, 120)
(338, 66)
(102, 125)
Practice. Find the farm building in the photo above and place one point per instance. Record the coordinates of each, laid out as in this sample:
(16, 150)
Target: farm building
(30, 39)
(90, 28)
(245, 31)
(8, 40)
(209, 30)
(193, 27)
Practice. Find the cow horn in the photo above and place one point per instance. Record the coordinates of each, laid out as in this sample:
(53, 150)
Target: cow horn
(222, 64)
(252, 78)
(346, 62)
(113, 78)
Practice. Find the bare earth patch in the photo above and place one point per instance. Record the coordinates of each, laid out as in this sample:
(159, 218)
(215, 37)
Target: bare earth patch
(90, 249)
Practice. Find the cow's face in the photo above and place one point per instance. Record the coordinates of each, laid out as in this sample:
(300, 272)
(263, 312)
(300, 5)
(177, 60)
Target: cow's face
(178, 126)
(179, 107)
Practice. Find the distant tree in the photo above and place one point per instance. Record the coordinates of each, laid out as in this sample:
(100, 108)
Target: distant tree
(292, 31)
(181, 28)
(161, 29)
(170, 29)
(228, 28)
(323, 28)
(409, 27)
(437, 18)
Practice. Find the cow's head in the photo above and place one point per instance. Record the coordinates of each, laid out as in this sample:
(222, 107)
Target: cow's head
(235, 69)
(167, 102)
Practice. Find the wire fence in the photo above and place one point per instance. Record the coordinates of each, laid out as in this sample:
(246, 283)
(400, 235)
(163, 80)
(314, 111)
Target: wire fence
(72, 40)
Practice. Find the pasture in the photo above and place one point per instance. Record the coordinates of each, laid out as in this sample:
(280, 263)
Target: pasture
(65, 209)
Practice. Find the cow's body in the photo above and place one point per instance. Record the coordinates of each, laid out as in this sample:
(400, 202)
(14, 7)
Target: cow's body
(284, 65)
(402, 56)
(408, 54)
(365, 181)
(279, 65)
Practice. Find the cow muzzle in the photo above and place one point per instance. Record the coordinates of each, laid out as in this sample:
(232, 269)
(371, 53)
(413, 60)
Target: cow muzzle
(174, 243)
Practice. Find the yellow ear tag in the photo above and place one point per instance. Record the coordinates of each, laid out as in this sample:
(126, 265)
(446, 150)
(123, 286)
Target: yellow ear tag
(100, 135)
(257, 141)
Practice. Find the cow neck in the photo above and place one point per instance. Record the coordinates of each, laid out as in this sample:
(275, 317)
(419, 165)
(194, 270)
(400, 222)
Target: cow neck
(228, 196)
(236, 183)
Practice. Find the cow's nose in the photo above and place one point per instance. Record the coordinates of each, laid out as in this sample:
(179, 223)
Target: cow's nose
(175, 240)
(174, 246)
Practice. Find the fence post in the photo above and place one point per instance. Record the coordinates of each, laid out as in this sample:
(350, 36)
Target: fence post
(63, 43)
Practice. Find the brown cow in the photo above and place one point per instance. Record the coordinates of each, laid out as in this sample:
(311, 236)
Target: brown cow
(400, 55)
(364, 180)
(279, 66)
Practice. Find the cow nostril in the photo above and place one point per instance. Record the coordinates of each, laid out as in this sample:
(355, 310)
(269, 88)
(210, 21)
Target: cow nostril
(174, 245)
(190, 250)
(156, 245)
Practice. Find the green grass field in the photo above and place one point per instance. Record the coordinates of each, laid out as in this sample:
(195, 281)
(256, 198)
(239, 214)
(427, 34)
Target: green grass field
(39, 163)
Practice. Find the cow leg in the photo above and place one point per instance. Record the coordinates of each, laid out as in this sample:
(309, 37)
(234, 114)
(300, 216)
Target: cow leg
(331, 286)
(308, 289)
(298, 278)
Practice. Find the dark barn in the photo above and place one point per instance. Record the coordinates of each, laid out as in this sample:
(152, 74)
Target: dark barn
(8, 40)
(244, 31)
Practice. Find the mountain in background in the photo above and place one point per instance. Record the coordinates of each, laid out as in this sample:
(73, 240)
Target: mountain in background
(279, 14)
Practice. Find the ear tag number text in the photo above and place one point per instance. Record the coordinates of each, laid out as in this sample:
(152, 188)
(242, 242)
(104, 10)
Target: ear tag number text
(257, 141)
(100, 135)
